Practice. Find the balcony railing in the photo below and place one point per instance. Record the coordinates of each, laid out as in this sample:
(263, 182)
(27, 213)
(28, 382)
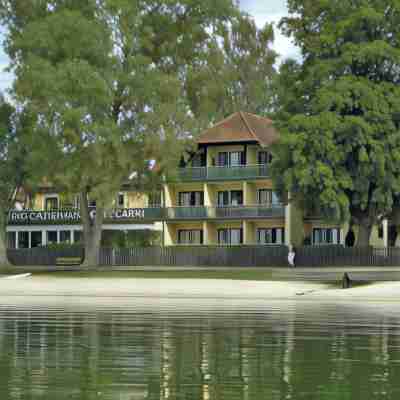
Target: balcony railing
(221, 173)
(233, 212)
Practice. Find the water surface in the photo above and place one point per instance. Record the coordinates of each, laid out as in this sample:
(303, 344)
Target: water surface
(174, 349)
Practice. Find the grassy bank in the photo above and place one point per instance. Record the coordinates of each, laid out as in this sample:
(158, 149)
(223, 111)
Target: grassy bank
(251, 275)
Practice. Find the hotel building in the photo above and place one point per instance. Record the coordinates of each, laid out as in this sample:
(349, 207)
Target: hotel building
(225, 196)
(222, 196)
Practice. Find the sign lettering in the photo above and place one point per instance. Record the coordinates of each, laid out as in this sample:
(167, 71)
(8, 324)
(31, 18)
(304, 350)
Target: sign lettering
(32, 217)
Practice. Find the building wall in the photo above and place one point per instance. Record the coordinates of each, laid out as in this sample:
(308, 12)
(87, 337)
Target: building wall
(136, 200)
(251, 156)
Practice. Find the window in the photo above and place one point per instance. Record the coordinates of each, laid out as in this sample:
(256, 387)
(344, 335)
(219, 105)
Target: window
(270, 235)
(234, 158)
(264, 157)
(187, 199)
(230, 236)
(36, 239)
(380, 231)
(51, 237)
(51, 203)
(121, 200)
(65, 236)
(236, 197)
(190, 236)
(199, 160)
(230, 198)
(23, 240)
(78, 236)
(154, 199)
(77, 201)
(267, 197)
(11, 240)
(326, 236)
(223, 159)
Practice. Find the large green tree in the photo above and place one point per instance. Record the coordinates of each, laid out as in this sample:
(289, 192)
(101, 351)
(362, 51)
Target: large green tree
(14, 164)
(107, 80)
(7, 181)
(238, 75)
(338, 109)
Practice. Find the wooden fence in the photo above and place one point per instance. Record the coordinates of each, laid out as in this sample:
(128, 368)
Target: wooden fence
(245, 256)
(42, 255)
(196, 256)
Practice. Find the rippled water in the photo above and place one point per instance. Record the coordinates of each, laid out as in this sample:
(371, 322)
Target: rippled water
(176, 350)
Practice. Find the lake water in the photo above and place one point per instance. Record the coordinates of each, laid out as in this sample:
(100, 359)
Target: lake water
(175, 349)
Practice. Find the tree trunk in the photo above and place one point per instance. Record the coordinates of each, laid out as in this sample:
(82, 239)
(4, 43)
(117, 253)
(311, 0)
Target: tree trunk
(92, 228)
(364, 233)
(3, 250)
(3, 243)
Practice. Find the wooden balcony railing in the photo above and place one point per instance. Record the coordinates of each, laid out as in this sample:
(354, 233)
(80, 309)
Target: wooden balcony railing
(72, 216)
(230, 212)
(221, 173)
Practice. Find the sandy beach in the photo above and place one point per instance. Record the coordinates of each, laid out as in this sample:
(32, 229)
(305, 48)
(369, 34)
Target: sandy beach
(44, 286)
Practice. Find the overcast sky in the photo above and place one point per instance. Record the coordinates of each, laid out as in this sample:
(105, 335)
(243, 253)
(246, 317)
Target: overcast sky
(262, 10)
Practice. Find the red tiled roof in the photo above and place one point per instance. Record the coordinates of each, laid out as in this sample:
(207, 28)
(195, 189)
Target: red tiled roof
(241, 127)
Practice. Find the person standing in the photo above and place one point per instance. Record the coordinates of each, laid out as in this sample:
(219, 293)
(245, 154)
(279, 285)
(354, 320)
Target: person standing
(291, 256)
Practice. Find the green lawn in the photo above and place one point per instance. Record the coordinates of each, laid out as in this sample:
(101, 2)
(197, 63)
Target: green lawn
(262, 275)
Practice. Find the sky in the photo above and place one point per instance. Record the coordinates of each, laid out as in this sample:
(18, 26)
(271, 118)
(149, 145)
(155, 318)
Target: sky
(263, 11)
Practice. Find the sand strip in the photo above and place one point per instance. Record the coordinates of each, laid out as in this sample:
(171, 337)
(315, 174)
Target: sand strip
(194, 289)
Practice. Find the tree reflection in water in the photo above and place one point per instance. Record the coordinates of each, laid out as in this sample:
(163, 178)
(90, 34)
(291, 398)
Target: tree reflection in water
(279, 351)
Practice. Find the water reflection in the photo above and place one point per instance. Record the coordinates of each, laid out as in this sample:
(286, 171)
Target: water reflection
(277, 351)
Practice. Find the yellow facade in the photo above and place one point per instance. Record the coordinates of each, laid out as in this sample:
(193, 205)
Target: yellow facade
(131, 200)
(216, 218)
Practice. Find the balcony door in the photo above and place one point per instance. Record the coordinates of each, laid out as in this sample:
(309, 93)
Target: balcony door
(230, 198)
(267, 197)
(230, 236)
(231, 158)
(264, 157)
(191, 199)
(190, 236)
(51, 203)
(270, 236)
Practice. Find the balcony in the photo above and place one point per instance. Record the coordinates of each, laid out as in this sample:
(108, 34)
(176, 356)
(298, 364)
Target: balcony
(234, 212)
(223, 173)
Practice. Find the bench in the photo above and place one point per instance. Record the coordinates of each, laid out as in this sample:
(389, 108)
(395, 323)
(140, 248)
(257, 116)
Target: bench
(68, 260)
(349, 278)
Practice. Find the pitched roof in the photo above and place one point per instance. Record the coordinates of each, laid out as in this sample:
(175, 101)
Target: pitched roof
(241, 127)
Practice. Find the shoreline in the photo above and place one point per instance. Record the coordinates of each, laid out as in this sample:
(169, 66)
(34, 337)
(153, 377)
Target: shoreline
(192, 289)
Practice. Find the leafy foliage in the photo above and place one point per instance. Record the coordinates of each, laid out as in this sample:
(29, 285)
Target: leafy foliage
(107, 80)
(14, 162)
(239, 73)
(338, 110)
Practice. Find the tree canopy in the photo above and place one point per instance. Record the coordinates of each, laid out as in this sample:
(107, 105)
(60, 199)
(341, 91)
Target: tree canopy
(239, 74)
(107, 80)
(338, 109)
